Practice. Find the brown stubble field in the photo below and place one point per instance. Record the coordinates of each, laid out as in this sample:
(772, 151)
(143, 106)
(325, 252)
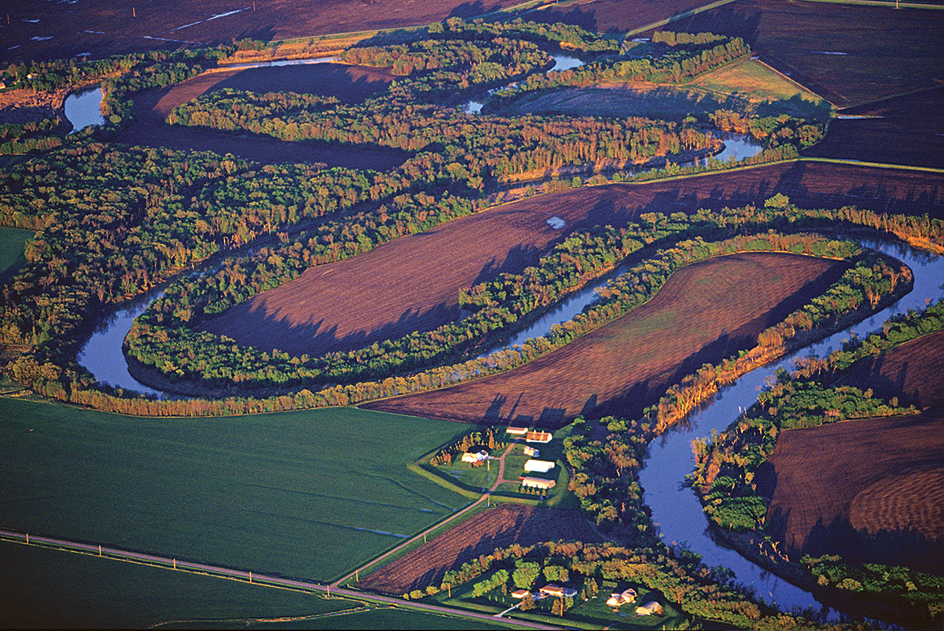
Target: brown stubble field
(871, 490)
(108, 27)
(413, 283)
(912, 372)
(901, 130)
(704, 312)
(849, 54)
(498, 527)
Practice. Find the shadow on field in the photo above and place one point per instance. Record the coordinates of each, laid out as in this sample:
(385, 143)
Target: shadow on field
(907, 547)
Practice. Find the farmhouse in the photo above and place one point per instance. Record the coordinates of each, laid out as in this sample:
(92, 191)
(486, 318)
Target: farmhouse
(537, 483)
(475, 458)
(649, 609)
(538, 437)
(531, 451)
(541, 466)
(556, 591)
(621, 598)
(516, 431)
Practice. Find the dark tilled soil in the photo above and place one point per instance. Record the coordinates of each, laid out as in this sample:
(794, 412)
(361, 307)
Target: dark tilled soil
(499, 527)
(871, 490)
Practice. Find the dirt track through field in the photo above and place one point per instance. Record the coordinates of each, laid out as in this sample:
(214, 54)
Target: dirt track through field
(703, 313)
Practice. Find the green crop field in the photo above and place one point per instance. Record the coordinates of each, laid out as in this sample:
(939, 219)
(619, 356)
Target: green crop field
(105, 593)
(11, 249)
(308, 495)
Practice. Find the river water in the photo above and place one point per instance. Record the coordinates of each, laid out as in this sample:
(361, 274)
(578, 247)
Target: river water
(84, 108)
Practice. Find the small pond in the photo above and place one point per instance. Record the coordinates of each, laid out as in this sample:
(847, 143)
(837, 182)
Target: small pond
(84, 108)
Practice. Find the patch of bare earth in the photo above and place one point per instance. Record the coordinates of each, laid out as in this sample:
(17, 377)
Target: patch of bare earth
(704, 312)
(871, 490)
(498, 527)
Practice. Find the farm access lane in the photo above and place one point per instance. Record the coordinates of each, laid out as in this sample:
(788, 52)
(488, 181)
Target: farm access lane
(130, 556)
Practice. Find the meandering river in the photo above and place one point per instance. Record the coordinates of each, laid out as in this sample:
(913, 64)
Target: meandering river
(674, 508)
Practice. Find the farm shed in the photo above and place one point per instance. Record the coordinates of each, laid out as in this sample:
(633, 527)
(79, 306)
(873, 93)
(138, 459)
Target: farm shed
(519, 593)
(649, 609)
(622, 598)
(537, 483)
(556, 591)
(480, 456)
(541, 466)
(538, 437)
(531, 451)
(517, 431)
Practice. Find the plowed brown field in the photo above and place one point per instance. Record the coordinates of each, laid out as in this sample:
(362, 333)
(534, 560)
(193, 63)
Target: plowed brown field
(902, 130)
(703, 313)
(414, 282)
(870, 490)
(46, 30)
(912, 372)
(847, 53)
(482, 534)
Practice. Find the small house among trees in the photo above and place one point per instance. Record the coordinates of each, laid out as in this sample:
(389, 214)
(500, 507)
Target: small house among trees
(537, 483)
(540, 466)
(649, 609)
(538, 437)
(475, 458)
(556, 591)
(622, 598)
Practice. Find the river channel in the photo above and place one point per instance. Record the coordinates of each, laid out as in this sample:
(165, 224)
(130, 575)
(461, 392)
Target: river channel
(675, 508)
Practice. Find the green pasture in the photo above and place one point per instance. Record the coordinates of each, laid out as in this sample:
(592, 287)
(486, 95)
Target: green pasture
(756, 82)
(55, 588)
(12, 242)
(310, 494)
(47, 588)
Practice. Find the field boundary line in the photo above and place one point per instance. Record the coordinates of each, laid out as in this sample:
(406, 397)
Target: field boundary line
(874, 165)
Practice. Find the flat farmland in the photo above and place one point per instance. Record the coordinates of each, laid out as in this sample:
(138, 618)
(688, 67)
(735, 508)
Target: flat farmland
(912, 372)
(849, 54)
(482, 533)
(413, 283)
(704, 312)
(613, 16)
(901, 130)
(48, 30)
(873, 491)
(307, 495)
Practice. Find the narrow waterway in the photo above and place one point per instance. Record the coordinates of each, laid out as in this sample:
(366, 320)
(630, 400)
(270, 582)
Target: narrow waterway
(677, 510)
